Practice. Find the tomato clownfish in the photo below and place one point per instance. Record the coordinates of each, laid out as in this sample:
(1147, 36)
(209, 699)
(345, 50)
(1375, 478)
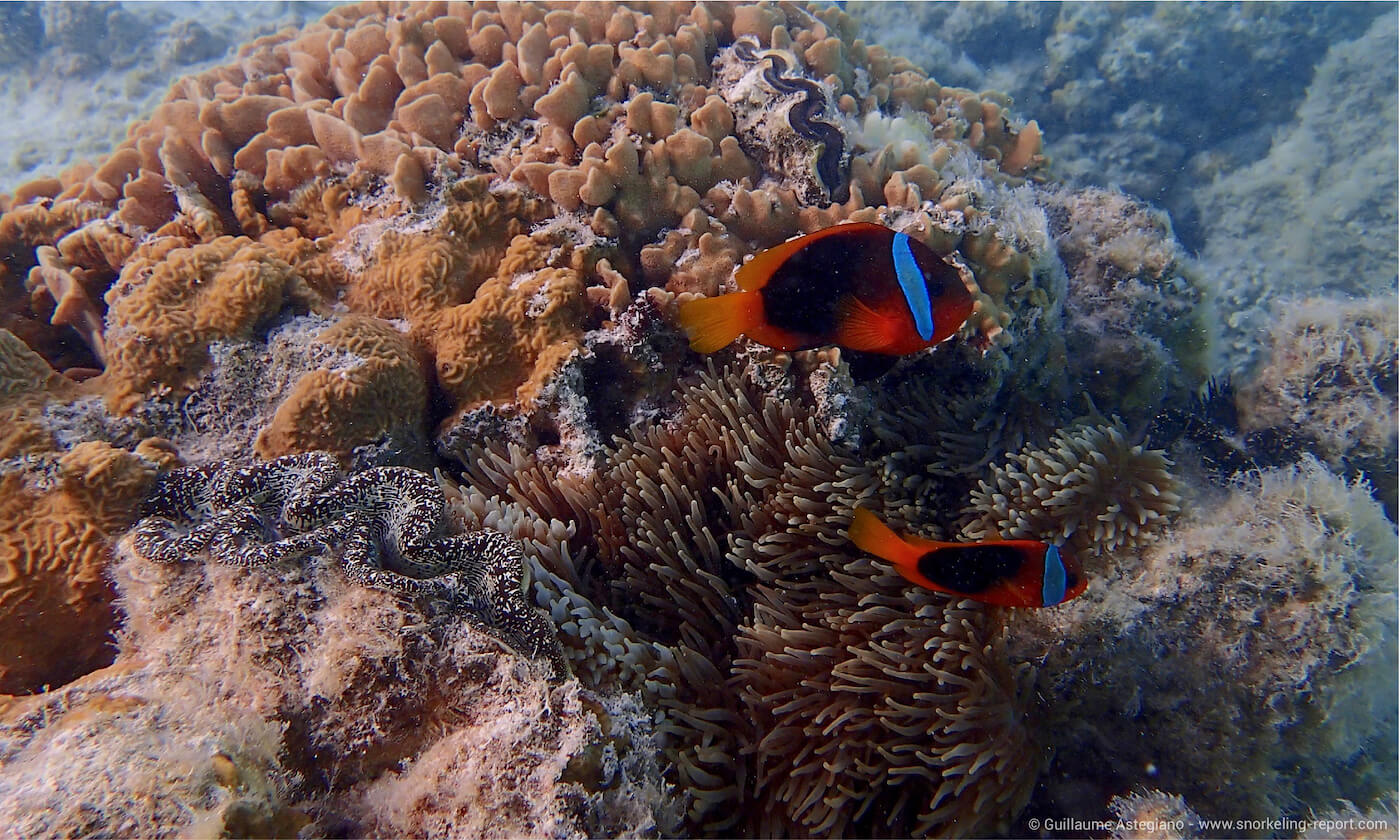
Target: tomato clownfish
(861, 286)
(1008, 573)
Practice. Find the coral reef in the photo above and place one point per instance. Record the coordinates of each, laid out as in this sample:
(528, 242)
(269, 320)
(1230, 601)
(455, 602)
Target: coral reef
(1329, 385)
(271, 700)
(391, 300)
(1268, 202)
(504, 93)
(80, 75)
(1122, 91)
(1253, 641)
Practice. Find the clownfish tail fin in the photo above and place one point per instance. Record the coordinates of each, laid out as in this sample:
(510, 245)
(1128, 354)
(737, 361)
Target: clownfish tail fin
(875, 537)
(713, 323)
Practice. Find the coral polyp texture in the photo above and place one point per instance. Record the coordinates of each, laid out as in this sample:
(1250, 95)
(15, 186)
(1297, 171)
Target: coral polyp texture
(356, 477)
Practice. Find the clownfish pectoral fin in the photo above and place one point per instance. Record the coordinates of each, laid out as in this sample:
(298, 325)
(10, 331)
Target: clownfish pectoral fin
(863, 328)
(713, 323)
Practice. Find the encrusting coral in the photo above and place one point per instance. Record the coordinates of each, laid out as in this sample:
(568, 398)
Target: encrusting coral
(1329, 383)
(279, 699)
(376, 387)
(1244, 659)
(171, 302)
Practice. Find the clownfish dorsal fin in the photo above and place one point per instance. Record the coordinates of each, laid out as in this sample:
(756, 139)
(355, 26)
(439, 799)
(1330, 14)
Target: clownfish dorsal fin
(754, 274)
(862, 328)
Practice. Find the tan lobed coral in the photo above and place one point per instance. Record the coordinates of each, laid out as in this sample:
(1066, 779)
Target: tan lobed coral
(171, 302)
(482, 353)
(56, 517)
(803, 688)
(377, 386)
(27, 383)
(618, 116)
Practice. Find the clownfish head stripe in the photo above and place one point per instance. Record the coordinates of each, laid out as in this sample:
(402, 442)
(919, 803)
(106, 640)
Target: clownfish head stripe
(1052, 590)
(911, 282)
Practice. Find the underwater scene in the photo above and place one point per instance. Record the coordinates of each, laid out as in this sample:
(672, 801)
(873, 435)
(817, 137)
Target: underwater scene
(698, 419)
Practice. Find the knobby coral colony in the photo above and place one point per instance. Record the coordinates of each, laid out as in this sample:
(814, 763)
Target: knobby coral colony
(482, 221)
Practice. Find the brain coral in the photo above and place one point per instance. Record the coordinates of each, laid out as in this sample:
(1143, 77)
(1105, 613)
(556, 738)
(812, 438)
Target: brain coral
(380, 388)
(171, 302)
(56, 515)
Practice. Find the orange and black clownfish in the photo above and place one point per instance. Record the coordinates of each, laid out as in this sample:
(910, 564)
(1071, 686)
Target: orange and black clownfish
(1008, 573)
(861, 286)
